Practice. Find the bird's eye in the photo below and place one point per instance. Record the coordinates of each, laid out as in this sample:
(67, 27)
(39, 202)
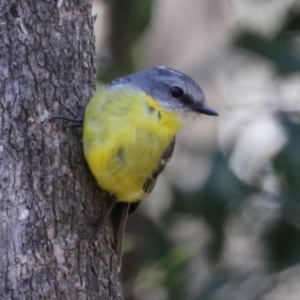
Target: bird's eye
(176, 92)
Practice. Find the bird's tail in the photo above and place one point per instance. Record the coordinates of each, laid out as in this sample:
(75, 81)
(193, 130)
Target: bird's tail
(118, 218)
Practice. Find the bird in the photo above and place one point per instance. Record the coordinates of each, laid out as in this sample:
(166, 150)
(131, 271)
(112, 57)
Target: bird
(129, 133)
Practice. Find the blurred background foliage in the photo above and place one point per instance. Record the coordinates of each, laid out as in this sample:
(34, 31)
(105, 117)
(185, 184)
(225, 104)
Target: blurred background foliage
(223, 221)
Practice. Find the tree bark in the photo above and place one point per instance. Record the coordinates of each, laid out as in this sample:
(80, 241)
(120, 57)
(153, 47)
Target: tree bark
(48, 198)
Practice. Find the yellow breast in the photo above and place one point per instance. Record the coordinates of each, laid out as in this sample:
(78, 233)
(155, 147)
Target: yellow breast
(125, 133)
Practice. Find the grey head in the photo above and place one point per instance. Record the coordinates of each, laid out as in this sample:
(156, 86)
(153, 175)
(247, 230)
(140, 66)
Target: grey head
(172, 89)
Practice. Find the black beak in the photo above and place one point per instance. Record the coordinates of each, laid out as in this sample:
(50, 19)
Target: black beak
(203, 109)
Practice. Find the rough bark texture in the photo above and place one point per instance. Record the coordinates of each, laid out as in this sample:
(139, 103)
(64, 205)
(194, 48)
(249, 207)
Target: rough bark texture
(48, 198)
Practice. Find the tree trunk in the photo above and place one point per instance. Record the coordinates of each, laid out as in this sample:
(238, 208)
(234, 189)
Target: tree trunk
(48, 198)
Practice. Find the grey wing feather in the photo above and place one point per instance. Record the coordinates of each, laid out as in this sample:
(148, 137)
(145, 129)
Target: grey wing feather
(166, 156)
(151, 181)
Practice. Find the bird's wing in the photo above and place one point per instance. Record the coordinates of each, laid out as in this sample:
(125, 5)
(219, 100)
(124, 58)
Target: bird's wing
(166, 156)
(121, 210)
(151, 181)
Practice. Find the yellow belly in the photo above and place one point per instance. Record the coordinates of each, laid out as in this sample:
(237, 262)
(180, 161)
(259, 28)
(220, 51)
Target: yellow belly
(124, 135)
